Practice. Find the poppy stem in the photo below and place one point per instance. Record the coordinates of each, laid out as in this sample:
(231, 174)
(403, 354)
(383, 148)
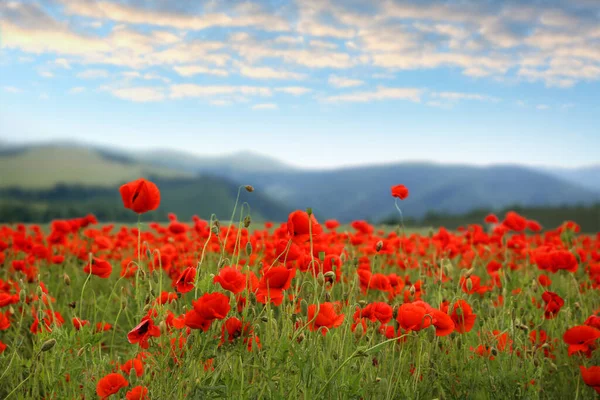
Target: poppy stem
(139, 229)
(400, 212)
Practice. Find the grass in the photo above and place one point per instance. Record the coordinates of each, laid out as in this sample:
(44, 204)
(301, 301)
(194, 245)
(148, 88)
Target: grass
(293, 361)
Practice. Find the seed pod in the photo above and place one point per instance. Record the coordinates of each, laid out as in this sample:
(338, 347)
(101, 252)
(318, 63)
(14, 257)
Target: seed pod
(48, 344)
(469, 284)
(249, 188)
(320, 278)
(22, 296)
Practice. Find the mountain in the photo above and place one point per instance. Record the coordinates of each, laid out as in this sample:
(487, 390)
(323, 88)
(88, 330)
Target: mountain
(364, 192)
(588, 177)
(232, 165)
(345, 193)
(40, 183)
(42, 167)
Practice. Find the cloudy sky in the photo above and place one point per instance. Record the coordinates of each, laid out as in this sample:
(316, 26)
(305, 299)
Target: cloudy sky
(317, 83)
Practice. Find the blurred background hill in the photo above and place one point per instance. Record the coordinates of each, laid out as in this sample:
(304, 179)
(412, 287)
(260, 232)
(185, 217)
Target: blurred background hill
(59, 180)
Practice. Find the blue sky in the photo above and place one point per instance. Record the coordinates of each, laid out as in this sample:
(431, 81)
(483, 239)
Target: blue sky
(316, 83)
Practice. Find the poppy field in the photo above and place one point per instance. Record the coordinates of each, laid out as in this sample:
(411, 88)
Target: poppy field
(303, 309)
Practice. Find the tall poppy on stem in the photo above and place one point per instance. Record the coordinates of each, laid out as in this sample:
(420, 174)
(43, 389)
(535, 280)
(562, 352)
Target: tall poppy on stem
(399, 192)
(140, 196)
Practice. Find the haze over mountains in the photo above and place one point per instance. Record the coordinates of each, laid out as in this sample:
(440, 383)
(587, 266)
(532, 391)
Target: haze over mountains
(346, 193)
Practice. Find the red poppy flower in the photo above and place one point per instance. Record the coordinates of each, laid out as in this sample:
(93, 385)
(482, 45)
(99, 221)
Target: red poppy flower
(137, 393)
(186, 280)
(591, 377)
(491, 219)
(231, 279)
(140, 196)
(514, 221)
(110, 385)
(101, 268)
(581, 339)
(442, 322)
(212, 306)
(463, 317)
(273, 283)
(79, 323)
(300, 226)
(400, 191)
(331, 224)
(326, 317)
(413, 316)
(135, 364)
(553, 304)
(141, 333)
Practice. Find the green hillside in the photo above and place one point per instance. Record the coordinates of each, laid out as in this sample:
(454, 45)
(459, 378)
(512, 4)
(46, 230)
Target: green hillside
(44, 167)
(186, 197)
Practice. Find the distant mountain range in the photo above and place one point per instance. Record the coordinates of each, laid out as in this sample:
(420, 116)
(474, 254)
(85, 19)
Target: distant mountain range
(345, 194)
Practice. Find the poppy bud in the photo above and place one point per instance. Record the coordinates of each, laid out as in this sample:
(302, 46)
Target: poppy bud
(469, 284)
(320, 278)
(309, 211)
(304, 306)
(247, 221)
(330, 275)
(39, 291)
(264, 318)
(215, 228)
(379, 246)
(327, 296)
(67, 279)
(359, 331)
(362, 303)
(163, 327)
(494, 351)
(469, 273)
(148, 253)
(249, 188)
(132, 375)
(577, 305)
(22, 296)
(412, 290)
(48, 344)
(80, 351)
(248, 249)
(522, 327)
(300, 338)
(378, 379)
(222, 263)
(190, 340)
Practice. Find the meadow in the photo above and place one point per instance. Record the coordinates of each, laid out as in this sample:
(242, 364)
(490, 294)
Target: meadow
(304, 309)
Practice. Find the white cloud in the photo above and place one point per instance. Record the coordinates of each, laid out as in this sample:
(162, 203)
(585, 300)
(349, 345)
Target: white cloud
(265, 106)
(179, 91)
(323, 44)
(46, 74)
(381, 93)
(464, 96)
(542, 107)
(62, 62)
(191, 70)
(245, 17)
(12, 89)
(93, 74)
(221, 102)
(341, 82)
(269, 73)
(76, 90)
(294, 90)
(139, 94)
(289, 39)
